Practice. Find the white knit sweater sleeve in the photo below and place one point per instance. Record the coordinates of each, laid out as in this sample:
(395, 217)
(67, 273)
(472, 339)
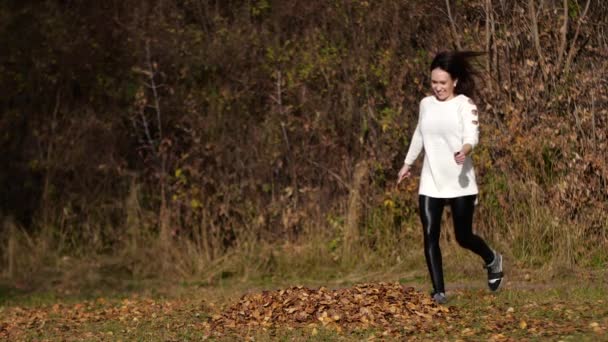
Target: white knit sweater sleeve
(416, 144)
(470, 123)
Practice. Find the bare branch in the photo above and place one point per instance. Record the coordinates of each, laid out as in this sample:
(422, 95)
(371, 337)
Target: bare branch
(144, 122)
(539, 52)
(285, 137)
(332, 173)
(154, 92)
(489, 38)
(573, 48)
(453, 25)
(279, 92)
(140, 140)
(593, 133)
(564, 39)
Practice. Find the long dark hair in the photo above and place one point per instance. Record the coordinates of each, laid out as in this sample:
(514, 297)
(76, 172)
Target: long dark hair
(458, 65)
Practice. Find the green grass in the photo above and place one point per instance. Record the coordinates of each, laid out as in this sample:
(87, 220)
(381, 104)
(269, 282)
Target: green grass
(553, 302)
(570, 308)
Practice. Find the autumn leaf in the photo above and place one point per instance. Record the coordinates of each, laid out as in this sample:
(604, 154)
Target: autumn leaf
(379, 305)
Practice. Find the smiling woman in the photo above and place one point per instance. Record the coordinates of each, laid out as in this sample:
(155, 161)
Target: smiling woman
(443, 84)
(455, 71)
(447, 130)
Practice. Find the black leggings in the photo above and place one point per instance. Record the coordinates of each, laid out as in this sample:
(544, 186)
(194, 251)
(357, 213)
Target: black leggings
(431, 210)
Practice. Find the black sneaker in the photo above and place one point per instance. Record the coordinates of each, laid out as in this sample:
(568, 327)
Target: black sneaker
(495, 273)
(440, 298)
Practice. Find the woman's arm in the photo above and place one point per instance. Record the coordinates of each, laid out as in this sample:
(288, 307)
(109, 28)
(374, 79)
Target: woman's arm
(412, 155)
(416, 146)
(470, 131)
(470, 121)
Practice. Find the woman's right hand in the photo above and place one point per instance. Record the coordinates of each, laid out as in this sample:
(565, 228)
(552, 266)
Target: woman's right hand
(403, 173)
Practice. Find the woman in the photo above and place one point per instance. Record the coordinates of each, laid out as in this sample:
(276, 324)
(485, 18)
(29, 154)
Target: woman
(448, 131)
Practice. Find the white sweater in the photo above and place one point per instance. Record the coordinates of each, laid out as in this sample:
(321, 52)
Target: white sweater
(443, 128)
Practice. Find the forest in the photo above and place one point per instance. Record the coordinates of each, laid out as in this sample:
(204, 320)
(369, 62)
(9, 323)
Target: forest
(261, 139)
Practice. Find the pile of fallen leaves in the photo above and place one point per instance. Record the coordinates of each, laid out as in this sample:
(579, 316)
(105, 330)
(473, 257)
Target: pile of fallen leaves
(380, 305)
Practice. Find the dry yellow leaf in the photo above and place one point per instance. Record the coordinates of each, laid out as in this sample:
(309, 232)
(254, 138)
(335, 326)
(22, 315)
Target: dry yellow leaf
(523, 324)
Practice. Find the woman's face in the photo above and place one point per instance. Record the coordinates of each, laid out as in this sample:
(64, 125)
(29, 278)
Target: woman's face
(443, 84)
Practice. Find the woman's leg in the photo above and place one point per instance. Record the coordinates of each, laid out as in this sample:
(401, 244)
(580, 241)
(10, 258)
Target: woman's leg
(430, 215)
(462, 214)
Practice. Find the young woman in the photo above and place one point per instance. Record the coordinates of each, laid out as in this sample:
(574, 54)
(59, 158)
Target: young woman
(448, 130)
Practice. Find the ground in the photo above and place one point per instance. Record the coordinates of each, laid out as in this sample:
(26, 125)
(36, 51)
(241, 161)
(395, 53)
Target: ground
(530, 306)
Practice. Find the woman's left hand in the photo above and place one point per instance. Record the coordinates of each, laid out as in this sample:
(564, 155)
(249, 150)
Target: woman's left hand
(459, 157)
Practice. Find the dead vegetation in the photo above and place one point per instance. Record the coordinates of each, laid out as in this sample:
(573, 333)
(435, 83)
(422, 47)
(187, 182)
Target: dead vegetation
(212, 132)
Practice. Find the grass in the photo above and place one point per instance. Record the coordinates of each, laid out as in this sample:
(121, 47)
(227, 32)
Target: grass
(533, 305)
(105, 300)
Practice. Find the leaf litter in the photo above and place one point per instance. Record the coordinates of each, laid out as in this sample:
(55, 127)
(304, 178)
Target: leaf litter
(387, 309)
(381, 305)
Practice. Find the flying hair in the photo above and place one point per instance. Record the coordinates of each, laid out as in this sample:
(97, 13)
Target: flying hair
(458, 65)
